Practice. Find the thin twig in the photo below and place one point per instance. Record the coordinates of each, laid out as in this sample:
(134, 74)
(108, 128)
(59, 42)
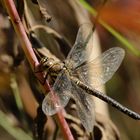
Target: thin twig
(31, 57)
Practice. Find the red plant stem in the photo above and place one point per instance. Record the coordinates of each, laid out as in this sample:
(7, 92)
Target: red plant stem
(27, 47)
(60, 119)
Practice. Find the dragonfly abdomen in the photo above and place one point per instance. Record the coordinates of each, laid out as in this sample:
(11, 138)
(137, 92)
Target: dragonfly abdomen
(107, 99)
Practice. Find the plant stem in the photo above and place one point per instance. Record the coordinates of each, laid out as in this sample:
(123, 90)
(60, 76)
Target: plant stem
(31, 57)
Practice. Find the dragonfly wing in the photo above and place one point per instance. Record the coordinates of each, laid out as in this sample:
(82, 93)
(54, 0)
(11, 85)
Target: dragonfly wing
(102, 68)
(85, 107)
(58, 97)
(82, 46)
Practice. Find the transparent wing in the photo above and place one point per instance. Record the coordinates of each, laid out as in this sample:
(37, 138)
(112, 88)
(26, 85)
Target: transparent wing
(102, 68)
(85, 107)
(58, 97)
(82, 46)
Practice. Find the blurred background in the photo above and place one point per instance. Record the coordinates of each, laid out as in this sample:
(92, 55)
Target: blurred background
(18, 89)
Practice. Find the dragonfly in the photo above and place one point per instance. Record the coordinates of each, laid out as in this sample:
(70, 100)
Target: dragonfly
(74, 76)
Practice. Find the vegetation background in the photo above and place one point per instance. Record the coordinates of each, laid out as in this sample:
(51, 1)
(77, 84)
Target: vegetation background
(18, 89)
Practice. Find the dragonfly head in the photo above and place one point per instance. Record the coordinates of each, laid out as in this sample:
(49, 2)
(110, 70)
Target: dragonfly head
(46, 63)
(51, 65)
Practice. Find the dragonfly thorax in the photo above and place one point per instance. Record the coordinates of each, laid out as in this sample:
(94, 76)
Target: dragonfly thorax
(69, 64)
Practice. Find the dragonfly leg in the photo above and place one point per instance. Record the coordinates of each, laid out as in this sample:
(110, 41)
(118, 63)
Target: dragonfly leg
(45, 77)
(37, 69)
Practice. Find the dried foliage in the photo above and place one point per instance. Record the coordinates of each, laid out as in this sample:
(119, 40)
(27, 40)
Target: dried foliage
(54, 25)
